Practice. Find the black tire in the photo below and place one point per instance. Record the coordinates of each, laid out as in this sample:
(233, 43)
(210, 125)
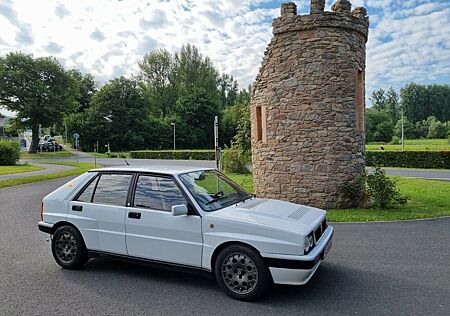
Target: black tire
(68, 248)
(241, 273)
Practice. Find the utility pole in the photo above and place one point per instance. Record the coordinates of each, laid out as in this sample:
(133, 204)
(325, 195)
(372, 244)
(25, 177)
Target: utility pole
(39, 139)
(174, 147)
(403, 134)
(95, 154)
(216, 142)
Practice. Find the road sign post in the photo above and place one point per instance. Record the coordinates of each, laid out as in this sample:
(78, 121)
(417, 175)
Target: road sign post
(76, 137)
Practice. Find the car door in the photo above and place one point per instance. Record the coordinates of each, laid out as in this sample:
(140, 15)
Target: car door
(153, 232)
(99, 212)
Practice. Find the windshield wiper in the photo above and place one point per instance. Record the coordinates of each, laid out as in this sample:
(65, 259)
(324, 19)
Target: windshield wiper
(247, 197)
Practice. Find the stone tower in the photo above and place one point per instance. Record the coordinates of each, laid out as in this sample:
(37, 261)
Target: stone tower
(307, 107)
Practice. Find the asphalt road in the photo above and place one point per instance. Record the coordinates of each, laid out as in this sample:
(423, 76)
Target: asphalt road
(443, 175)
(398, 268)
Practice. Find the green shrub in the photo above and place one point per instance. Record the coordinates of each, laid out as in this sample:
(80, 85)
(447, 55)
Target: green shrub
(409, 159)
(207, 154)
(235, 161)
(9, 153)
(355, 191)
(395, 140)
(383, 190)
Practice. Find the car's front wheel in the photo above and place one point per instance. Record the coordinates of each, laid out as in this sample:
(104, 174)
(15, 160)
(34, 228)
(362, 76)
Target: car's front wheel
(241, 272)
(68, 248)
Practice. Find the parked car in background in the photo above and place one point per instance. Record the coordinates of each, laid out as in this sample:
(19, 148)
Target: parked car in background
(50, 146)
(186, 218)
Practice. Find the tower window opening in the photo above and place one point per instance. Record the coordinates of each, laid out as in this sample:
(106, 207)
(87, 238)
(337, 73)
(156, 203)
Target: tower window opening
(261, 124)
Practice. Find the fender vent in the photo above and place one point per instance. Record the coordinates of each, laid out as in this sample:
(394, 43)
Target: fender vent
(297, 214)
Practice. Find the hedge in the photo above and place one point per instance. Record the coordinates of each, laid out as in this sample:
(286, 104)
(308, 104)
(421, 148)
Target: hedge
(9, 153)
(409, 159)
(207, 154)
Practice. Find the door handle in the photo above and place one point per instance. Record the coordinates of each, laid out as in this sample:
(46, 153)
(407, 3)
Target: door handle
(77, 208)
(135, 215)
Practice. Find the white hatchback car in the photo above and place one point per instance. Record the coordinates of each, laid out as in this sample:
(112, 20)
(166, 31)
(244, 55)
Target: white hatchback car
(183, 217)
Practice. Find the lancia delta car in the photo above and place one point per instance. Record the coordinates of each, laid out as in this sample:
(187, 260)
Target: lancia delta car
(185, 218)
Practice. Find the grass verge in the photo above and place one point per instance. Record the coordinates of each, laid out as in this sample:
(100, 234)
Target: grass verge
(18, 169)
(80, 167)
(50, 154)
(426, 199)
(413, 145)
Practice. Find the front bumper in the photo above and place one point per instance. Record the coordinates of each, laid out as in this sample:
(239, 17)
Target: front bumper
(45, 227)
(297, 270)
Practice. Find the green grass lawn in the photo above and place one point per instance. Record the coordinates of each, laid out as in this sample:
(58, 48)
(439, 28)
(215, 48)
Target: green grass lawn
(426, 199)
(50, 154)
(80, 167)
(18, 169)
(413, 145)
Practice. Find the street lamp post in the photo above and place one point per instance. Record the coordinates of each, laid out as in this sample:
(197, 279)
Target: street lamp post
(403, 133)
(173, 124)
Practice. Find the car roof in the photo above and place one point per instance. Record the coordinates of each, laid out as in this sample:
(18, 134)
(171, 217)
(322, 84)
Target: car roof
(153, 168)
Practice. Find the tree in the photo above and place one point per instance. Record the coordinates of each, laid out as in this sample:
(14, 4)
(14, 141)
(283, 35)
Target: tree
(421, 101)
(157, 77)
(378, 126)
(228, 90)
(87, 88)
(193, 72)
(39, 90)
(235, 119)
(409, 129)
(392, 105)
(378, 99)
(197, 111)
(118, 115)
(437, 129)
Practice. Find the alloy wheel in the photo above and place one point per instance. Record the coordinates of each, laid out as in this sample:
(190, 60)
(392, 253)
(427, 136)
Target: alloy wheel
(66, 247)
(239, 273)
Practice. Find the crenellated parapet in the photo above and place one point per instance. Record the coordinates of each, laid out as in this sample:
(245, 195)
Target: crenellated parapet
(341, 16)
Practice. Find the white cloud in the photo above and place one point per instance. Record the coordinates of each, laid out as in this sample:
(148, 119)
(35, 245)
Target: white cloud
(408, 40)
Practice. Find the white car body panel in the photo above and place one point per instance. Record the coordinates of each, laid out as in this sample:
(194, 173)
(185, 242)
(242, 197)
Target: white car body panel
(102, 226)
(159, 235)
(276, 229)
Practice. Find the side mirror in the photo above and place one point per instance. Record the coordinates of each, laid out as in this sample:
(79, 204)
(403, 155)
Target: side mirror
(178, 210)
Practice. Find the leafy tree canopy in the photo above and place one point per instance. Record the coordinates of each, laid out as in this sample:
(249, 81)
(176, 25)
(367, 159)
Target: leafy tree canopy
(39, 90)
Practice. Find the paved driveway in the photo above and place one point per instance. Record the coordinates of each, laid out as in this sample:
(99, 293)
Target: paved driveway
(443, 175)
(373, 269)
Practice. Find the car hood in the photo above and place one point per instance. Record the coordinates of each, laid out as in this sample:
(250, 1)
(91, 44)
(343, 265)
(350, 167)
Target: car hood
(278, 214)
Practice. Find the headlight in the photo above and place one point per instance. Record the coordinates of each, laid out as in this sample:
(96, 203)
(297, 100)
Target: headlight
(309, 243)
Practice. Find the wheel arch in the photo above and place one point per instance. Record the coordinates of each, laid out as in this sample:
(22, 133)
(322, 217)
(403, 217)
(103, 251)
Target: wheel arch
(222, 246)
(65, 223)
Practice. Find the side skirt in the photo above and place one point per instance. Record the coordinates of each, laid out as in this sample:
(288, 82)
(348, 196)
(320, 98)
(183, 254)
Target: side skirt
(152, 263)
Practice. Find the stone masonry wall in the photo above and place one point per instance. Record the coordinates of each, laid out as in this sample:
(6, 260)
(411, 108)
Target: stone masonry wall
(308, 105)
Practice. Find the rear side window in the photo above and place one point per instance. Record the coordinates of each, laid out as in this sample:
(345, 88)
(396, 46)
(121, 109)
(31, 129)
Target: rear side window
(157, 193)
(86, 195)
(112, 189)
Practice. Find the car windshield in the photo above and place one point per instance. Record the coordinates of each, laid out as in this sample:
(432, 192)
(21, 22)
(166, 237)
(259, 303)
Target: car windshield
(212, 190)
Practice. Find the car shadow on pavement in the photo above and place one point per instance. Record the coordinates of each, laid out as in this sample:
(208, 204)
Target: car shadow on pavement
(335, 287)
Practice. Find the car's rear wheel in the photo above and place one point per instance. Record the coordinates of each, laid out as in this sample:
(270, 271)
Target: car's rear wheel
(241, 273)
(68, 248)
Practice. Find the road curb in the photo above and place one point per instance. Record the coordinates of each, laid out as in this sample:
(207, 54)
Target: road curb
(394, 221)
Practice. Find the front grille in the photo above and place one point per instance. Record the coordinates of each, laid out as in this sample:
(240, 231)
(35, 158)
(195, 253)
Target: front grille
(318, 232)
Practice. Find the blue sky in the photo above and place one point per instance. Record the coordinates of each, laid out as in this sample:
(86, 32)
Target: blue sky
(408, 40)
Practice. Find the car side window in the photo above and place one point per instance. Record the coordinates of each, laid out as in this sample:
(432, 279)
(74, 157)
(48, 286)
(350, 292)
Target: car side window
(157, 193)
(86, 195)
(112, 189)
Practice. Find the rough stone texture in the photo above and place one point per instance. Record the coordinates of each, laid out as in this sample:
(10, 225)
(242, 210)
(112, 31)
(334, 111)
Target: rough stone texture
(342, 6)
(317, 6)
(308, 133)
